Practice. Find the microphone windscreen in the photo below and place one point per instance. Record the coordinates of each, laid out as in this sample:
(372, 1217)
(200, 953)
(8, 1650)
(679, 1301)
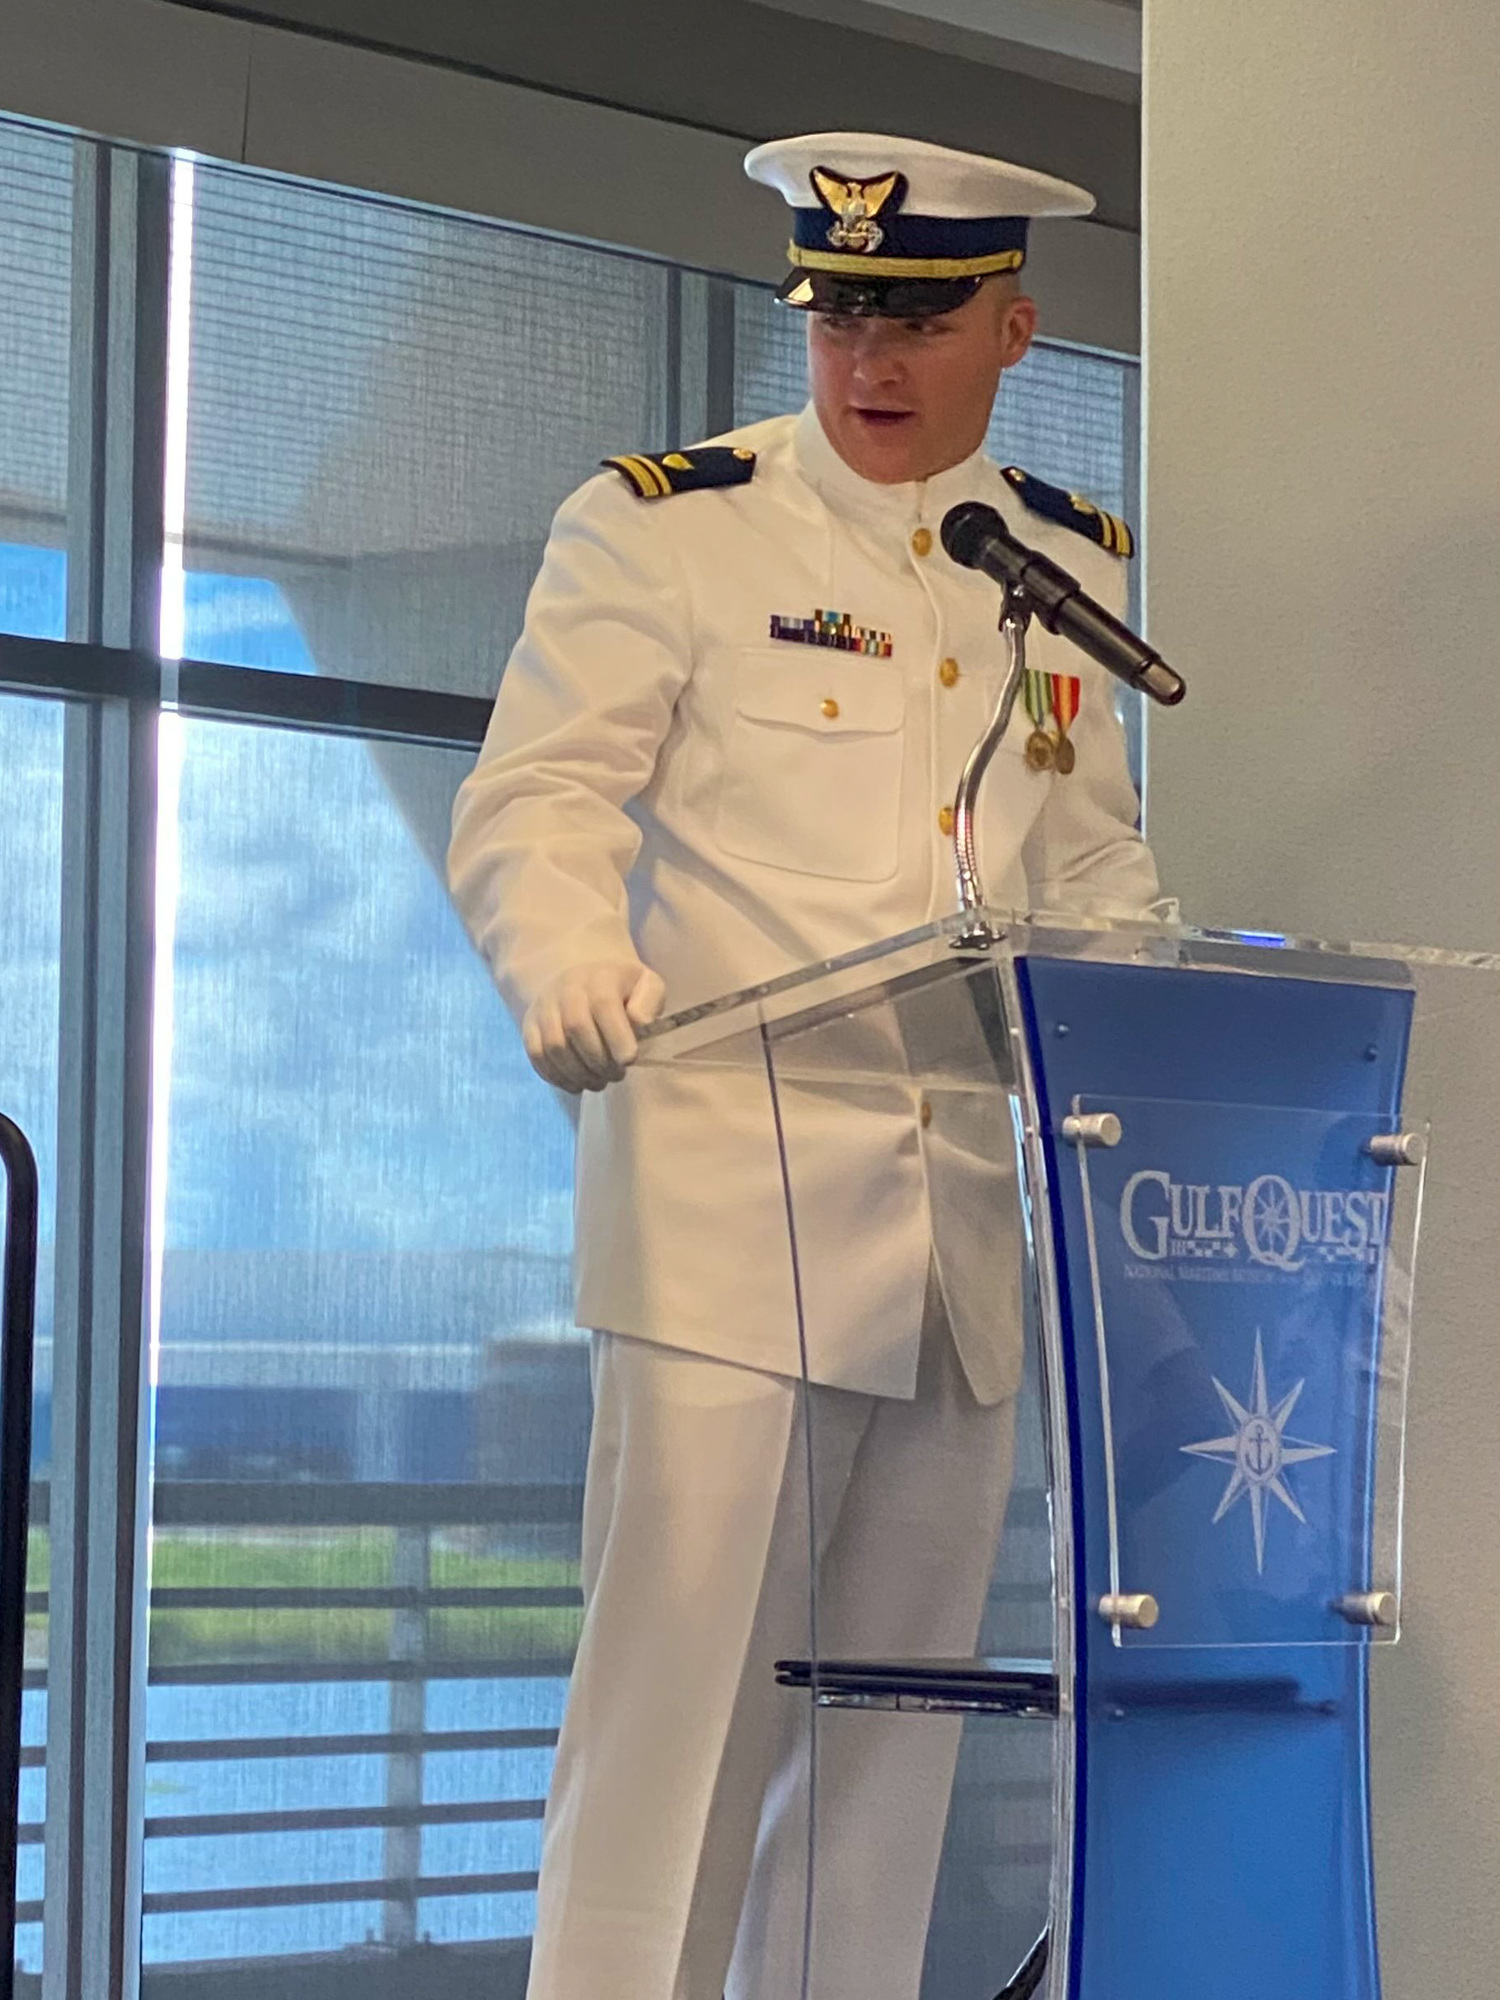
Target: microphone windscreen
(965, 529)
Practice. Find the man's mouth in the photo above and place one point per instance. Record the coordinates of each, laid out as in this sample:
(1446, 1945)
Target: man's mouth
(884, 420)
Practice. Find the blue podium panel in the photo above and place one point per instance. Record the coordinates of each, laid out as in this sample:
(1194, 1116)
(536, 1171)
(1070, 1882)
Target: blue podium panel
(1221, 1299)
(1236, 1269)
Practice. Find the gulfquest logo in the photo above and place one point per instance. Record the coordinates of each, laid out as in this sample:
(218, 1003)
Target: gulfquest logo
(1260, 1227)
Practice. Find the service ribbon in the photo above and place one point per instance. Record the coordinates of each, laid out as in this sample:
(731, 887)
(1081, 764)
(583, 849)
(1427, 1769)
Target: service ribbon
(1066, 691)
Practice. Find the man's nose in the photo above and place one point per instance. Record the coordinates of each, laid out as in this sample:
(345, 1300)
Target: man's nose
(876, 358)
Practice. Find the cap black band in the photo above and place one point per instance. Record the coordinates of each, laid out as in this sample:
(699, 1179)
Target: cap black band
(918, 239)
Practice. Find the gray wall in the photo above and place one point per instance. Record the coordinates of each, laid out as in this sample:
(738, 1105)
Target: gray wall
(166, 74)
(751, 71)
(1322, 253)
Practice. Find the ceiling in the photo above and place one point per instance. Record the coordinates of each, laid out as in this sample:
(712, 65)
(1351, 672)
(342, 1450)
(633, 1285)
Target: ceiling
(1091, 45)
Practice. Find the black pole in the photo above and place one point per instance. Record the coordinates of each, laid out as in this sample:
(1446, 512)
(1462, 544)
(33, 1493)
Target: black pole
(17, 1333)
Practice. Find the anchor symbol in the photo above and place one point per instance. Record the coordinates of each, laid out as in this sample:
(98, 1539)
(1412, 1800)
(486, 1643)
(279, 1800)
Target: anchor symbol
(1259, 1451)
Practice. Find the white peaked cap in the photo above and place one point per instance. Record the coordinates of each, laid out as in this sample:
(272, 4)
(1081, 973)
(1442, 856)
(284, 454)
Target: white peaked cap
(940, 182)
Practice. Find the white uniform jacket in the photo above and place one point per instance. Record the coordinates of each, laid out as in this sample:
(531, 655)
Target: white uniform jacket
(662, 779)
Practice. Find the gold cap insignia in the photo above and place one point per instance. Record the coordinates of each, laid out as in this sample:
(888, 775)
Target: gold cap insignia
(854, 206)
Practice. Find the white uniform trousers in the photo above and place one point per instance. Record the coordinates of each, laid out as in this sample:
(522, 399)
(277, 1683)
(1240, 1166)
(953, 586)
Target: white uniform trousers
(675, 1851)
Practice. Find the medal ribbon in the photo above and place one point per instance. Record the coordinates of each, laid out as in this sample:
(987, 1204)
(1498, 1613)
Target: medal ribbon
(1066, 690)
(1036, 695)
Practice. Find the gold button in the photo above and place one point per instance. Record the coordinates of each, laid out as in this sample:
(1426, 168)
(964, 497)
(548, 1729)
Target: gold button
(925, 1114)
(830, 708)
(742, 451)
(945, 821)
(948, 673)
(921, 542)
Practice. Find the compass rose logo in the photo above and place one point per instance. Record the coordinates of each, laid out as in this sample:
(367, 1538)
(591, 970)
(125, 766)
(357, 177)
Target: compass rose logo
(1272, 1224)
(1259, 1451)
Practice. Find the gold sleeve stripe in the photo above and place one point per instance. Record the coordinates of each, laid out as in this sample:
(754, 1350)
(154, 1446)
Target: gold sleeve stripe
(1110, 528)
(852, 264)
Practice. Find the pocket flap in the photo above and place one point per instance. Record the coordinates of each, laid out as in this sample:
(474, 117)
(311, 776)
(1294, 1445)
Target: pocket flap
(821, 691)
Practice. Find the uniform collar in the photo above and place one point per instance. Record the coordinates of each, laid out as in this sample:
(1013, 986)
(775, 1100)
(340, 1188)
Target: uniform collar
(915, 501)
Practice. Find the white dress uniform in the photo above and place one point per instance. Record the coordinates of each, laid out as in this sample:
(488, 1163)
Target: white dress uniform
(665, 780)
(661, 778)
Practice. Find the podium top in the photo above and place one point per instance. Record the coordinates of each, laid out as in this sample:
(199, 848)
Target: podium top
(732, 1027)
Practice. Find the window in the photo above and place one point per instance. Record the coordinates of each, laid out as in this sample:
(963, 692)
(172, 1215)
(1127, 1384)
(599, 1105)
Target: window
(36, 231)
(365, 1314)
(31, 755)
(328, 1245)
(385, 409)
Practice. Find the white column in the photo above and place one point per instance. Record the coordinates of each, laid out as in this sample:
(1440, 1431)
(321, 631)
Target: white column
(1322, 312)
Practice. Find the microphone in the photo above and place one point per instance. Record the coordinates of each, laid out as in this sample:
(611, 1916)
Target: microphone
(976, 536)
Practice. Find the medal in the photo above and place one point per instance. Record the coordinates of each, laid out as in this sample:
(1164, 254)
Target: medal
(1039, 747)
(1065, 696)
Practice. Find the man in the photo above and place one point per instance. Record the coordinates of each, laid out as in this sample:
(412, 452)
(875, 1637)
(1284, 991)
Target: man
(725, 747)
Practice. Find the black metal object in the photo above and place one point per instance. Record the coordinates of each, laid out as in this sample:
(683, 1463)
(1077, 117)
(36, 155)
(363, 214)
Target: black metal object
(1018, 1688)
(1032, 1971)
(17, 1334)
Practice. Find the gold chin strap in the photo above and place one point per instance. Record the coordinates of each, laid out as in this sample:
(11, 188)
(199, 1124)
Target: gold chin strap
(851, 264)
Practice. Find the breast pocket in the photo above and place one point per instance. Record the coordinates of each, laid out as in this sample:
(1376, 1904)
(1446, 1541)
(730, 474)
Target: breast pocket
(812, 765)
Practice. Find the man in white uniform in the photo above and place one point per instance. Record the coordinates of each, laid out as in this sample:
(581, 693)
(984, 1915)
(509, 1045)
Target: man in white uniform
(726, 746)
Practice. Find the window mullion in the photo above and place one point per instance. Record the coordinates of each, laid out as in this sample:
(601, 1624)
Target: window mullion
(99, 1498)
(720, 356)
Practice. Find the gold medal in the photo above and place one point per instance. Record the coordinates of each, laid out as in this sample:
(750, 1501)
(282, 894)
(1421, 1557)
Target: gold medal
(1065, 696)
(1038, 743)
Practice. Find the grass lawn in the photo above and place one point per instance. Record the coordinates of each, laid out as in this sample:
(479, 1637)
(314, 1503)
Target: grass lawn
(334, 1559)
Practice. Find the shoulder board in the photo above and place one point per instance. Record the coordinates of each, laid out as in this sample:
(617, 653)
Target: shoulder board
(657, 475)
(1071, 510)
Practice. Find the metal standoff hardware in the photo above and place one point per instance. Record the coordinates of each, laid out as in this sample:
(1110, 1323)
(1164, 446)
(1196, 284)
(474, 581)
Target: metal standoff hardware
(1139, 1609)
(1370, 1607)
(1397, 1149)
(1092, 1128)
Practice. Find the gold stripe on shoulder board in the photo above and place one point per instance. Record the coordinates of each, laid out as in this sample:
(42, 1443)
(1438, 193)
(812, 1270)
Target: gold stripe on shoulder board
(645, 487)
(1093, 513)
(657, 482)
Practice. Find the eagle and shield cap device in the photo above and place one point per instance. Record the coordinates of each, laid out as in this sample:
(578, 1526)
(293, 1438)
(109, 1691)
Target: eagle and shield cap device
(899, 228)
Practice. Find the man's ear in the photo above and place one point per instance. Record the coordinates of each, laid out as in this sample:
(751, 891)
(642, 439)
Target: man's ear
(1017, 329)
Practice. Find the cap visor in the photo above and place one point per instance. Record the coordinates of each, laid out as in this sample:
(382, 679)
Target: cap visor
(875, 298)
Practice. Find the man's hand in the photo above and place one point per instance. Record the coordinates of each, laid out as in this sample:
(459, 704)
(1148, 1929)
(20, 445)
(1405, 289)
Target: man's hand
(580, 1032)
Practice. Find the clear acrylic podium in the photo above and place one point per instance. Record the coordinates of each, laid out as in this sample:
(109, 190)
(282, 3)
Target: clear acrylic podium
(1169, 1182)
